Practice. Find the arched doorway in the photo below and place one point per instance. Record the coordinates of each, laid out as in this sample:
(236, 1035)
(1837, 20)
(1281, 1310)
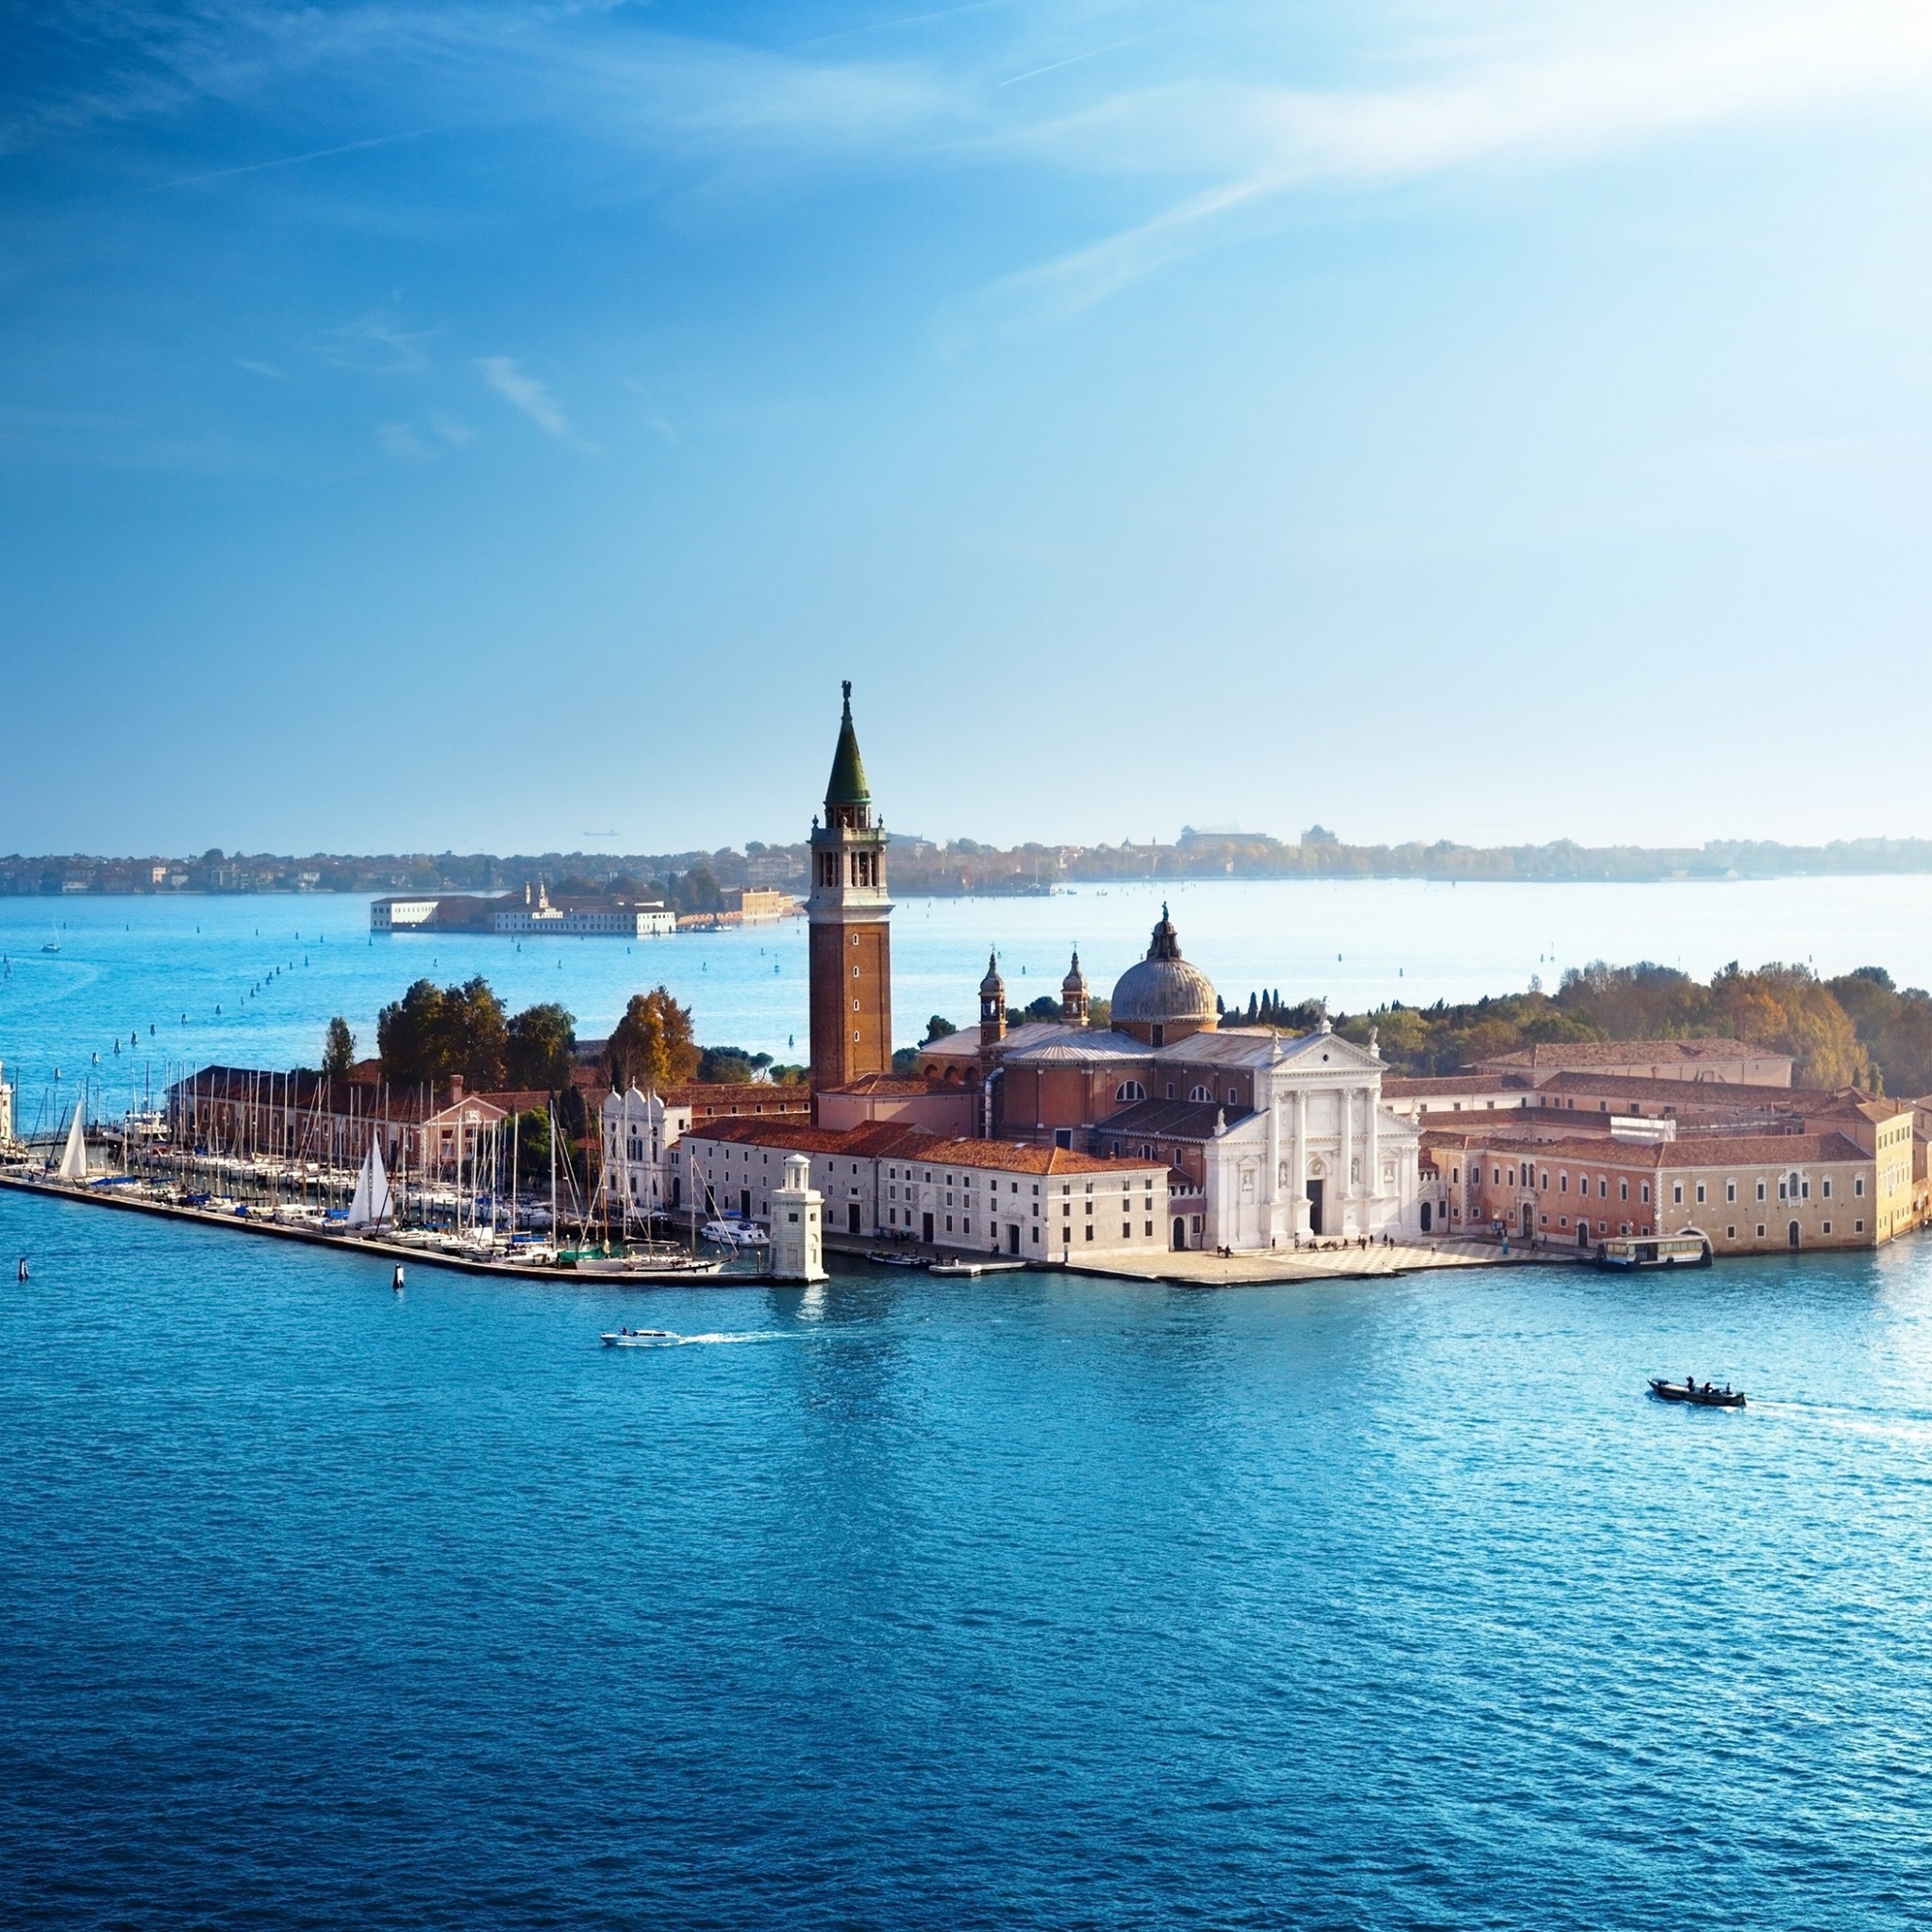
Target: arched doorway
(1425, 1217)
(1528, 1222)
(1180, 1231)
(1583, 1234)
(1792, 1233)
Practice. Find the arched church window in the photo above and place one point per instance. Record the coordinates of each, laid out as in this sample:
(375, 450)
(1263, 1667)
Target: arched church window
(1200, 1093)
(1130, 1089)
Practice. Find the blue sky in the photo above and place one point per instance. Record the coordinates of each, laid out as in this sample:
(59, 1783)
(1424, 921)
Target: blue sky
(487, 426)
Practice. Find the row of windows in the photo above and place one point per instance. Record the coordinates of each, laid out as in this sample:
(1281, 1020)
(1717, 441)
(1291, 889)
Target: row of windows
(1133, 1090)
(1793, 1186)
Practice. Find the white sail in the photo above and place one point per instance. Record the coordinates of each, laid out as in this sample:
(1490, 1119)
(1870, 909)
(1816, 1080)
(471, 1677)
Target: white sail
(74, 1159)
(371, 1205)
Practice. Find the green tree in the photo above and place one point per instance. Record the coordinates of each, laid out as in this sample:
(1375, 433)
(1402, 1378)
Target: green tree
(433, 1033)
(937, 1027)
(732, 1065)
(409, 1035)
(538, 1048)
(652, 1046)
(338, 1049)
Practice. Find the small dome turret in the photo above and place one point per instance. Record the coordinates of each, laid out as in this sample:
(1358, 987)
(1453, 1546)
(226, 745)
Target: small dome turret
(1074, 993)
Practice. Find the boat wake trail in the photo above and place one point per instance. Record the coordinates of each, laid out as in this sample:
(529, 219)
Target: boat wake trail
(760, 1334)
(1892, 1426)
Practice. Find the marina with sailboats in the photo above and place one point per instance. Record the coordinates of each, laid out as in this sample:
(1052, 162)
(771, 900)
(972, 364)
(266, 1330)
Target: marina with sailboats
(191, 1161)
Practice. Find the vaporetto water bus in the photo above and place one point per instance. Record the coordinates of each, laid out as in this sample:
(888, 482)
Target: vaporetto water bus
(1689, 1249)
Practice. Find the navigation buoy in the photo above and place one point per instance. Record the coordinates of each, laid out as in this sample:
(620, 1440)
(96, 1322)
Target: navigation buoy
(20, 1274)
(396, 1279)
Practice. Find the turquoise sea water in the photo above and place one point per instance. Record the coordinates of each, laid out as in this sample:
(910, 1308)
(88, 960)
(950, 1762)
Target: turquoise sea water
(126, 966)
(1031, 1602)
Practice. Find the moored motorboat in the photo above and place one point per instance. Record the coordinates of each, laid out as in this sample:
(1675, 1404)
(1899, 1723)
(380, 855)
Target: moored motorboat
(1703, 1396)
(974, 1267)
(885, 1257)
(735, 1232)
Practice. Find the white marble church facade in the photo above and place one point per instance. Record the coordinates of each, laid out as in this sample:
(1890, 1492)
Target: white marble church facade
(1320, 1157)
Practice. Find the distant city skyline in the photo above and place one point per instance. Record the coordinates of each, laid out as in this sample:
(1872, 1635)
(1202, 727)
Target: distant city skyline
(459, 428)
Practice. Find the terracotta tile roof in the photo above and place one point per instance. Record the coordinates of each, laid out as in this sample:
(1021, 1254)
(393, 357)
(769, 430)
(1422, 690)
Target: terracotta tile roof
(894, 1086)
(876, 1140)
(1760, 1150)
(707, 1098)
(1017, 1157)
(1186, 1120)
(1561, 1054)
(1705, 1151)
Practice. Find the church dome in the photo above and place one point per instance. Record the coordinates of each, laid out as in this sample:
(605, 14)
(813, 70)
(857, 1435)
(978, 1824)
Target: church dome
(1163, 990)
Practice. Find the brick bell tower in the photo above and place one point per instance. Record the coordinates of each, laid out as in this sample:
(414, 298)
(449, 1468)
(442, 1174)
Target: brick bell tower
(851, 941)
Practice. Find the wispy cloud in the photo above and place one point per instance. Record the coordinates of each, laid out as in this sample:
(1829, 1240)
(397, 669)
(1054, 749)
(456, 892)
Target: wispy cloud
(318, 154)
(376, 345)
(1557, 96)
(401, 442)
(524, 393)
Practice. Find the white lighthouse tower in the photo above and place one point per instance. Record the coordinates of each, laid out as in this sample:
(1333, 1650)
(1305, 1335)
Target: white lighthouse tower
(797, 1225)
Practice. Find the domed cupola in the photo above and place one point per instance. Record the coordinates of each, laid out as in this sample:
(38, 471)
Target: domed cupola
(993, 1004)
(1163, 998)
(1074, 993)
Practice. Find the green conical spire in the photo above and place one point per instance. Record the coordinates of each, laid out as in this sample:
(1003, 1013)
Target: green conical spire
(847, 786)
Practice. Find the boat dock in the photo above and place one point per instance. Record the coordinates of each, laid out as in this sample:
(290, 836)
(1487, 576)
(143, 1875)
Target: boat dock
(403, 1245)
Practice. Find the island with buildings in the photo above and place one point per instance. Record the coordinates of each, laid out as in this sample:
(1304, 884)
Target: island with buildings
(1152, 1133)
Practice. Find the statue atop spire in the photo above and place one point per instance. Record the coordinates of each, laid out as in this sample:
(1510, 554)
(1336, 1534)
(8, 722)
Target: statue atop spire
(847, 786)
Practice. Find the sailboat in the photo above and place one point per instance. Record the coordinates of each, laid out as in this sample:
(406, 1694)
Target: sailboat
(73, 1157)
(371, 1205)
(53, 946)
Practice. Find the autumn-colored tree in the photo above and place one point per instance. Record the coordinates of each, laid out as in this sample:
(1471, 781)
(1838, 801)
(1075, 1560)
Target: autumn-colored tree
(1790, 1011)
(653, 1047)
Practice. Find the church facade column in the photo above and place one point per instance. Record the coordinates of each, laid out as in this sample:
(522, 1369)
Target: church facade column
(1345, 1180)
(1270, 1181)
(1300, 1199)
(1372, 1172)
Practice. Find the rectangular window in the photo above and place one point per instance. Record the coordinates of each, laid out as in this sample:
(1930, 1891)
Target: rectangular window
(1089, 1230)
(1827, 1228)
(1827, 1187)
(1761, 1230)
(1858, 1185)
(1622, 1189)
(1676, 1193)
(1699, 1193)
(1730, 1191)
(1761, 1191)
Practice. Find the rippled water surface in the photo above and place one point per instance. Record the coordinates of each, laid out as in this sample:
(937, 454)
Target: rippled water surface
(1035, 1603)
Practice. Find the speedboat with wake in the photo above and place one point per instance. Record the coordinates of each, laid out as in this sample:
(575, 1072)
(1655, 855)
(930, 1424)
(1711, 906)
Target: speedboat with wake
(1702, 1396)
(641, 1338)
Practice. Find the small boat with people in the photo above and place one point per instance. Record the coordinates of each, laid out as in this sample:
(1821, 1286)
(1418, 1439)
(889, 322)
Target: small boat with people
(1705, 1395)
(886, 1257)
(641, 1338)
